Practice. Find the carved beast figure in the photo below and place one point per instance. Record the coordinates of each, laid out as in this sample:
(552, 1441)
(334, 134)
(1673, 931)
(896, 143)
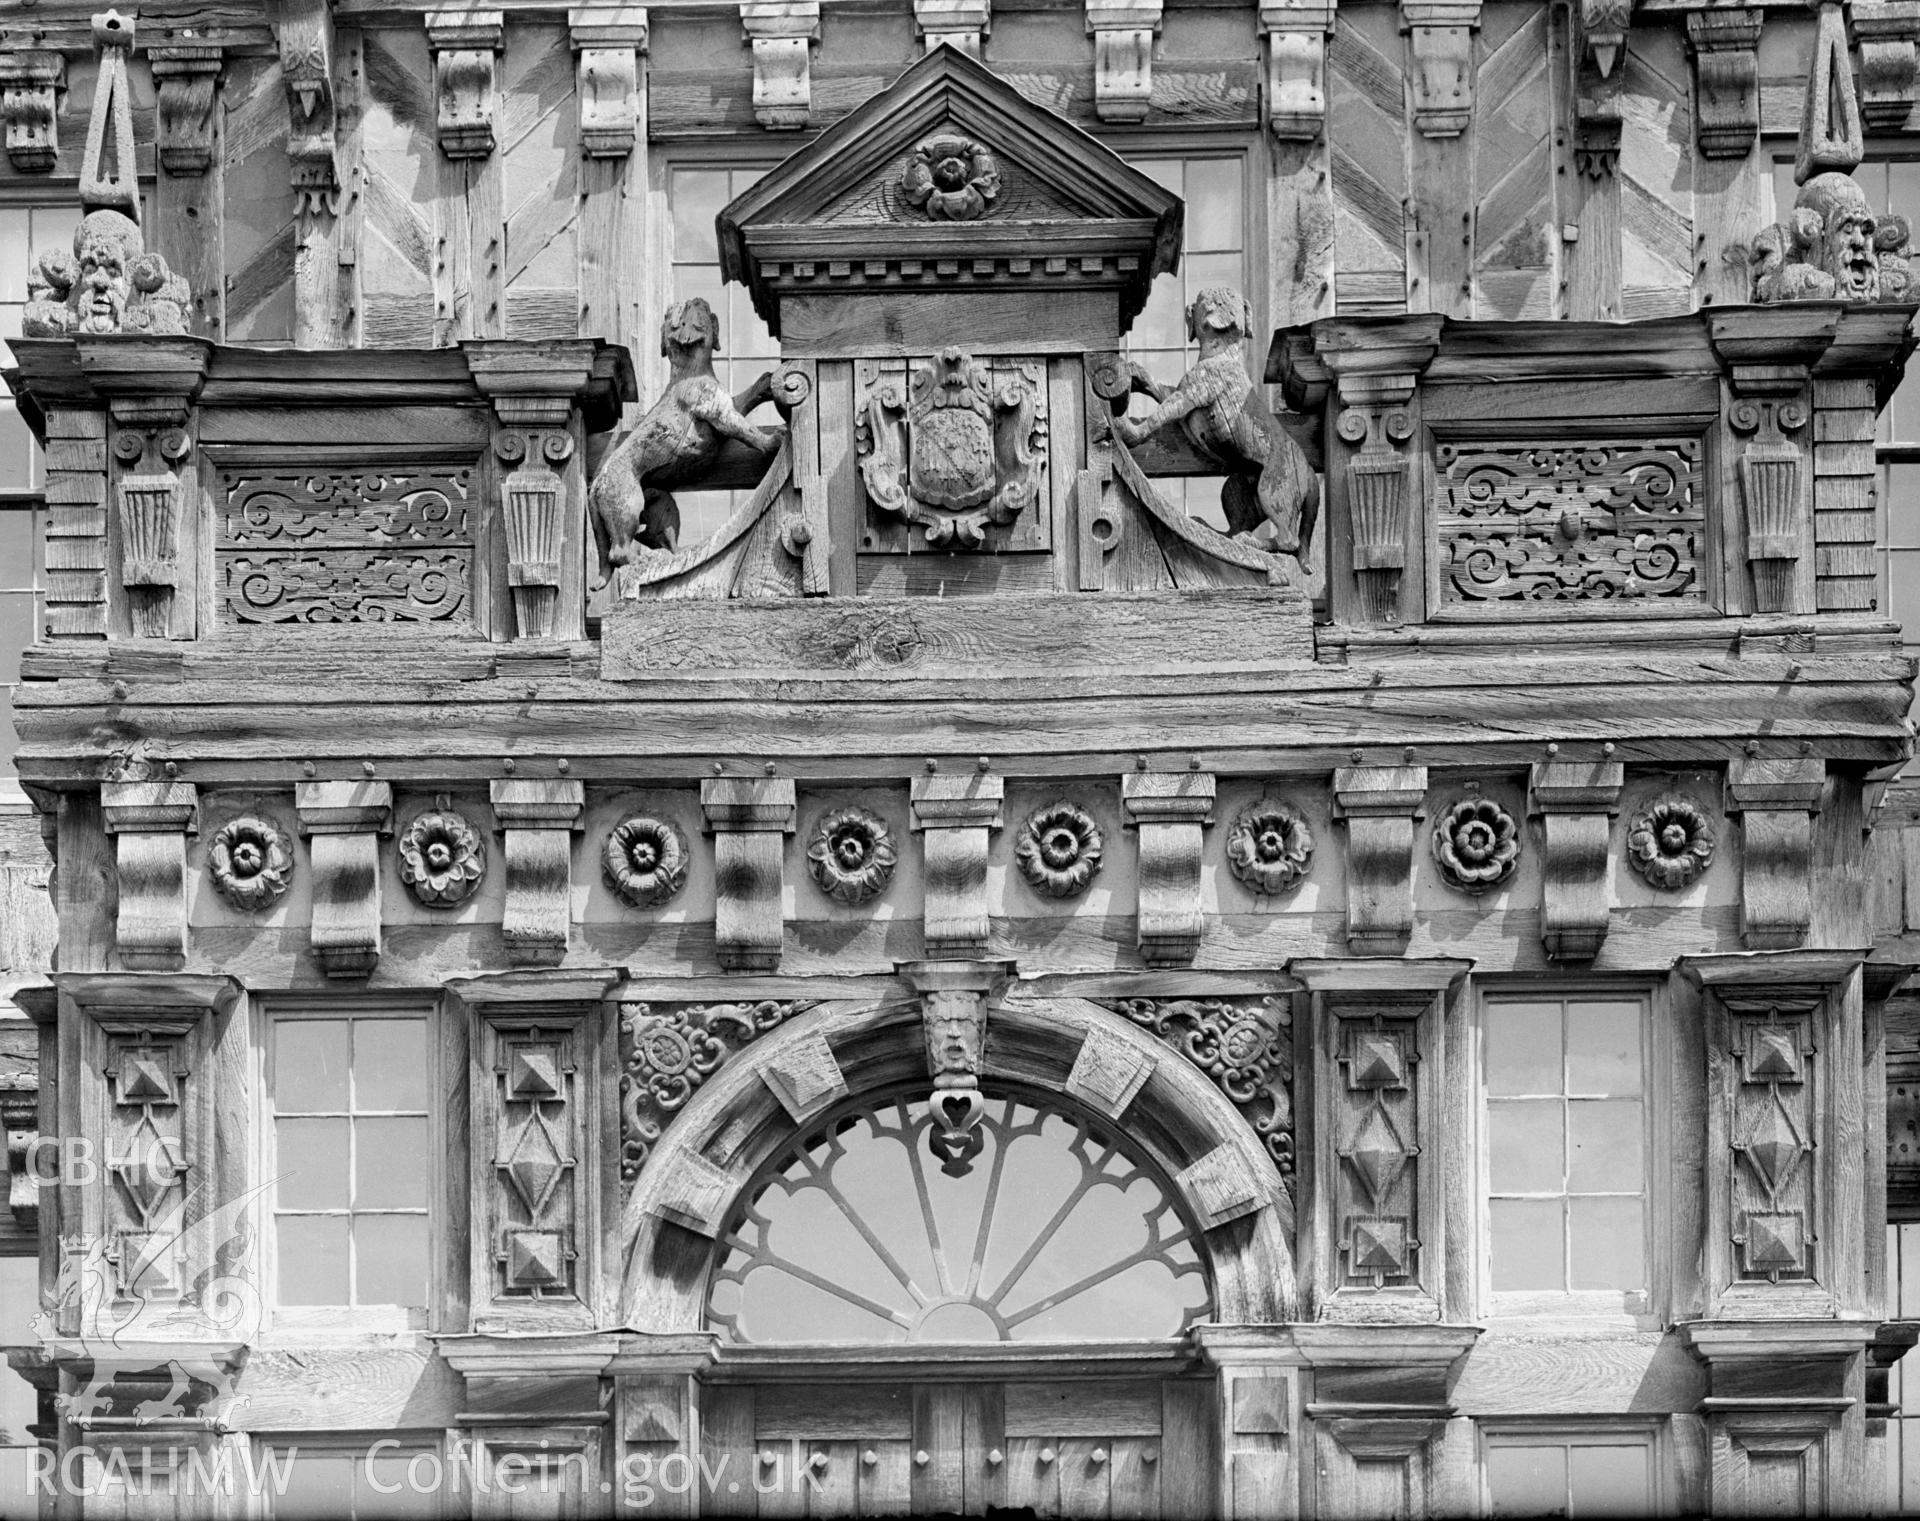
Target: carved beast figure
(1225, 416)
(676, 443)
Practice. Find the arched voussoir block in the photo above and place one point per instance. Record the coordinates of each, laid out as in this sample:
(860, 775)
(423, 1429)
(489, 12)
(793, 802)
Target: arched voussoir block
(1076, 1052)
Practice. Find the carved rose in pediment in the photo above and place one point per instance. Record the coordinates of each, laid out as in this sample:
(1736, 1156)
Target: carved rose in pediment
(951, 178)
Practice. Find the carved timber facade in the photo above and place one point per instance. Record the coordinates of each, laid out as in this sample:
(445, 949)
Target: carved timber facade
(965, 983)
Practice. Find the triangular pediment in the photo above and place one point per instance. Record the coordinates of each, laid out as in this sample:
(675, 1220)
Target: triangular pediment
(1017, 181)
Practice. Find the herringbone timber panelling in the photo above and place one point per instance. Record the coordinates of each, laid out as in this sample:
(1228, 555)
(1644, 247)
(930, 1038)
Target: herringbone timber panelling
(1366, 134)
(1515, 265)
(540, 168)
(259, 244)
(396, 254)
(1656, 177)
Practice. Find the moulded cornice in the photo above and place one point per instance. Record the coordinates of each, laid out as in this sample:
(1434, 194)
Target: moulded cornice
(1738, 969)
(547, 1356)
(544, 985)
(150, 991)
(1372, 974)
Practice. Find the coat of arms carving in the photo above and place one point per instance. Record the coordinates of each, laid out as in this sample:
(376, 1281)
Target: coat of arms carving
(956, 450)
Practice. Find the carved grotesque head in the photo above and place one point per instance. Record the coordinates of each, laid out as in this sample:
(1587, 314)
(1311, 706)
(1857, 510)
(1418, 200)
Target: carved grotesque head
(955, 1026)
(1845, 249)
(106, 250)
(689, 325)
(1219, 313)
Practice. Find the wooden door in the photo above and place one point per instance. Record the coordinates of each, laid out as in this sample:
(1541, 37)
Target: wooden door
(1141, 1447)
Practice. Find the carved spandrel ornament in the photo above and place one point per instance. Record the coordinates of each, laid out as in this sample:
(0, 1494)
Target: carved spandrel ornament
(1571, 521)
(958, 450)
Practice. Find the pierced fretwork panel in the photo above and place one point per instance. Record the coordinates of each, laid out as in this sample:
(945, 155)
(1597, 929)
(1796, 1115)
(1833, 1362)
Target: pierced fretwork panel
(1378, 1139)
(347, 546)
(1051, 1229)
(1773, 1062)
(1571, 521)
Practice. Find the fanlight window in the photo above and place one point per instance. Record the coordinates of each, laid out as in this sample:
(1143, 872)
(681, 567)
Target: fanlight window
(1052, 1230)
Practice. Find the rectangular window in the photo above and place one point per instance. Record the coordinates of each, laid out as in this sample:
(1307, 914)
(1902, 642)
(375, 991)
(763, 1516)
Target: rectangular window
(1566, 1149)
(351, 1484)
(1598, 1473)
(352, 1140)
(695, 196)
(1214, 252)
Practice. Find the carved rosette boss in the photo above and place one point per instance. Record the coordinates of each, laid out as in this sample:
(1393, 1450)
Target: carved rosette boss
(1670, 844)
(1270, 847)
(251, 861)
(958, 449)
(1476, 845)
(851, 855)
(442, 857)
(951, 178)
(1058, 849)
(645, 860)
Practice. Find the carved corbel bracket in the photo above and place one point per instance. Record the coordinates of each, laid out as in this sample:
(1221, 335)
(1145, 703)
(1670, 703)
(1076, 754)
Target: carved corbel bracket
(1440, 35)
(343, 821)
(1575, 802)
(1378, 491)
(303, 29)
(31, 80)
(954, 815)
(186, 80)
(963, 24)
(1775, 801)
(609, 42)
(782, 34)
(1296, 32)
(1170, 809)
(1886, 32)
(19, 1118)
(1379, 1154)
(1378, 805)
(466, 49)
(1122, 33)
(1726, 75)
(749, 820)
(1597, 73)
(150, 822)
(149, 452)
(538, 818)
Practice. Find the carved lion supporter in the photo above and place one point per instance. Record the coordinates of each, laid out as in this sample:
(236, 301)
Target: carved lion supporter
(108, 284)
(1225, 416)
(1833, 247)
(677, 443)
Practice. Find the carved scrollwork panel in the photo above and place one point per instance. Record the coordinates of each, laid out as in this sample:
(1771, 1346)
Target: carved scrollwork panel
(374, 546)
(667, 1051)
(1571, 522)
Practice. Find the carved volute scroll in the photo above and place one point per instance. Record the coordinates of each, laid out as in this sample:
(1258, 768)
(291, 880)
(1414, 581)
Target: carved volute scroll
(1775, 484)
(750, 820)
(153, 488)
(1296, 44)
(1726, 71)
(1123, 33)
(31, 80)
(609, 43)
(150, 822)
(1379, 490)
(466, 49)
(782, 34)
(1440, 41)
(186, 80)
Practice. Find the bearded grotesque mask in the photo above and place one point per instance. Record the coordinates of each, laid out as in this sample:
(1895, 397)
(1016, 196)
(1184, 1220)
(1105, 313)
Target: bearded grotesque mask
(109, 284)
(1846, 247)
(101, 292)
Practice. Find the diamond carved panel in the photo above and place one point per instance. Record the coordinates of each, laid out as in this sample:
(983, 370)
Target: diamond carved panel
(1377, 1131)
(536, 1158)
(1771, 1140)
